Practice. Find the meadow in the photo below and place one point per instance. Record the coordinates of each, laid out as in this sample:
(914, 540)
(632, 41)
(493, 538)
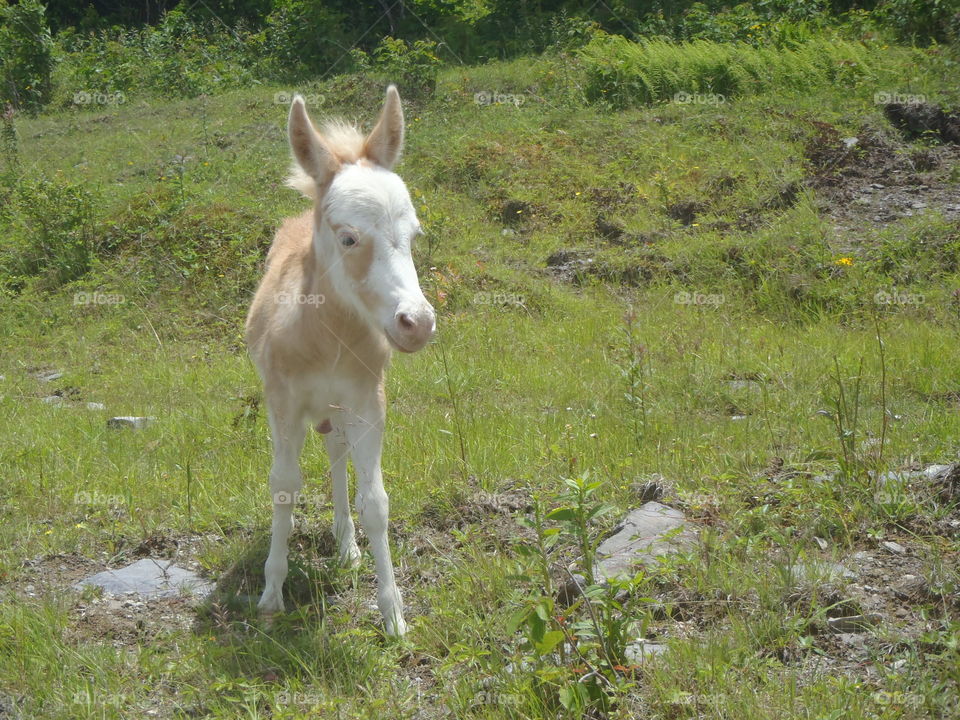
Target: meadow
(725, 271)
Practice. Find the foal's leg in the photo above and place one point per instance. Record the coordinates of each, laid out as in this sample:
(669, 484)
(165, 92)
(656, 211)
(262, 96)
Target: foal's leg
(285, 482)
(365, 434)
(338, 449)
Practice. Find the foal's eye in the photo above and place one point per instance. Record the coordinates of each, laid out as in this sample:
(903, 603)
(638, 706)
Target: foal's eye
(348, 240)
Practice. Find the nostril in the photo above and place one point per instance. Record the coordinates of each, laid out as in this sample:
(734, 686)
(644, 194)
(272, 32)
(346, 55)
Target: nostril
(406, 321)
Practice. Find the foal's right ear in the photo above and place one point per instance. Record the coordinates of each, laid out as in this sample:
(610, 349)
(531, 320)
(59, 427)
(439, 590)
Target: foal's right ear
(309, 150)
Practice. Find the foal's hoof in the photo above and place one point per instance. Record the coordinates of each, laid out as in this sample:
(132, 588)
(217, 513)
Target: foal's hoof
(350, 558)
(270, 603)
(395, 627)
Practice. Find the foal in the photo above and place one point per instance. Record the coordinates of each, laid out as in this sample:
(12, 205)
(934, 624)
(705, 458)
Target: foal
(340, 291)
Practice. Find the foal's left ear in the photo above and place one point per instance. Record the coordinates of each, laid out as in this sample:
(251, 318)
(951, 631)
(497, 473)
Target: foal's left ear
(385, 141)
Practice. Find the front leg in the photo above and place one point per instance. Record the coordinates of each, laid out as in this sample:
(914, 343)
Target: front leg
(285, 482)
(365, 434)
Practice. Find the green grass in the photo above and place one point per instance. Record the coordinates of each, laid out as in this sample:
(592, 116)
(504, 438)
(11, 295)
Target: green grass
(538, 384)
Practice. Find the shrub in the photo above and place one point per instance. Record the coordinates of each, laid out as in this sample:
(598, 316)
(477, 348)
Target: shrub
(47, 232)
(413, 66)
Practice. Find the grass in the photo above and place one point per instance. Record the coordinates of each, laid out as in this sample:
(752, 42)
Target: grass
(184, 196)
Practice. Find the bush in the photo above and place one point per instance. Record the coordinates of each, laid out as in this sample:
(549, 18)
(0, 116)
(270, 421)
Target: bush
(26, 55)
(922, 20)
(47, 232)
(180, 57)
(412, 66)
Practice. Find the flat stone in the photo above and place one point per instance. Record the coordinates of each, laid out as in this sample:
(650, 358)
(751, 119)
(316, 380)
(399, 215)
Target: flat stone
(641, 537)
(96, 406)
(128, 421)
(49, 376)
(813, 571)
(934, 471)
(55, 400)
(148, 578)
(893, 547)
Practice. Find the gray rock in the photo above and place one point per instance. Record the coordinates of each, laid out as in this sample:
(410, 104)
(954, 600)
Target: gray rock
(893, 547)
(56, 400)
(128, 421)
(96, 406)
(49, 376)
(935, 471)
(641, 537)
(148, 578)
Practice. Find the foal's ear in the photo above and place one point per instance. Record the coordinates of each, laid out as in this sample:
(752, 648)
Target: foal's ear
(385, 141)
(309, 150)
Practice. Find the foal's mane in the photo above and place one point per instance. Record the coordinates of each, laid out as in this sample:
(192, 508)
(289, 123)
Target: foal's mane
(343, 139)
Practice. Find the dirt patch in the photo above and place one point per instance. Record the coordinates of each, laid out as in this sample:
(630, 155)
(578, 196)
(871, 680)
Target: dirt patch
(871, 180)
(924, 120)
(130, 621)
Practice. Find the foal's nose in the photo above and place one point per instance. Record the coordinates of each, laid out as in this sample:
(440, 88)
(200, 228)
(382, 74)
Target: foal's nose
(415, 326)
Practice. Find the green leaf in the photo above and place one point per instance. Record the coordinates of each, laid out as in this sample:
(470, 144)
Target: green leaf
(549, 642)
(562, 515)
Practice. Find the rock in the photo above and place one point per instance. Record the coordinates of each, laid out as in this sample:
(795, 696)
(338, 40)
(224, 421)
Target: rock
(643, 535)
(821, 543)
(932, 472)
(49, 376)
(128, 421)
(55, 400)
(148, 578)
(893, 547)
(640, 651)
(911, 587)
(571, 591)
(648, 490)
(854, 623)
(850, 142)
(95, 406)
(816, 571)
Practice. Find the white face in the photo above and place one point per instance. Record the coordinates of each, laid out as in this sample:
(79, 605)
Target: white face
(366, 239)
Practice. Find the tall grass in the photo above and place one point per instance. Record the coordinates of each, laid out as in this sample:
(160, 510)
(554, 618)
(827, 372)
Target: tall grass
(623, 73)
